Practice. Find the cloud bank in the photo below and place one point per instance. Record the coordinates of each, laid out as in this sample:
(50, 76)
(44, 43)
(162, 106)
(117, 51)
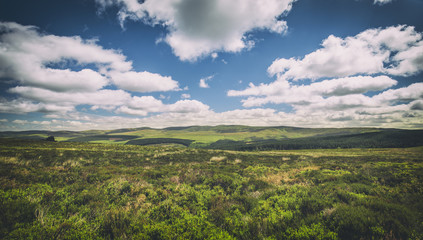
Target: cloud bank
(348, 79)
(198, 28)
(80, 85)
(55, 74)
(40, 60)
(396, 50)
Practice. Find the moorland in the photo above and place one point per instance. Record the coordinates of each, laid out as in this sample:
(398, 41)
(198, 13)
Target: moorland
(223, 182)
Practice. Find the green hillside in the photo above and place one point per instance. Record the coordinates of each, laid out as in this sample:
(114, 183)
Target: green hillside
(382, 139)
(235, 137)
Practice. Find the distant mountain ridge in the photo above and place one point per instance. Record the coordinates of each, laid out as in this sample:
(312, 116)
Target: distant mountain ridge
(239, 137)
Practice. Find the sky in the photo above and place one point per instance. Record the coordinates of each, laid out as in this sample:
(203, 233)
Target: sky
(109, 64)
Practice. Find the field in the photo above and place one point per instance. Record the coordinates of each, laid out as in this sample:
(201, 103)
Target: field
(73, 190)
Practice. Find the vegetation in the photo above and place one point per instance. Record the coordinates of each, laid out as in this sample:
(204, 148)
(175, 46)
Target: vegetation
(240, 137)
(384, 139)
(72, 190)
(50, 139)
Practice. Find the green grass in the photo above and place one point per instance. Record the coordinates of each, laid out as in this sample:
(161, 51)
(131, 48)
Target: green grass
(71, 190)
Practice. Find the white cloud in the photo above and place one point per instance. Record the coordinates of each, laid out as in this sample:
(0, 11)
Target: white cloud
(37, 64)
(283, 92)
(143, 81)
(21, 106)
(18, 121)
(101, 97)
(386, 109)
(409, 61)
(33, 59)
(394, 50)
(147, 104)
(42, 48)
(185, 96)
(25, 54)
(349, 86)
(187, 106)
(405, 94)
(198, 28)
(42, 100)
(381, 2)
(203, 82)
(131, 111)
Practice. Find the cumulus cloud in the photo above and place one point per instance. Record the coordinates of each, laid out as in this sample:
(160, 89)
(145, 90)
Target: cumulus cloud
(396, 50)
(381, 2)
(143, 81)
(60, 105)
(101, 97)
(284, 92)
(188, 106)
(33, 59)
(203, 82)
(40, 70)
(348, 80)
(147, 104)
(199, 28)
(405, 94)
(21, 106)
(185, 96)
(324, 105)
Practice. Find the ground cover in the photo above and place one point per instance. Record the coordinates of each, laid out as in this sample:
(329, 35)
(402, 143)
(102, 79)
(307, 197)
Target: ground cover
(70, 190)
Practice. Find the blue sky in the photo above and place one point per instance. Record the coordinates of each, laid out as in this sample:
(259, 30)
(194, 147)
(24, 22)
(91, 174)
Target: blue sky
(105, 64)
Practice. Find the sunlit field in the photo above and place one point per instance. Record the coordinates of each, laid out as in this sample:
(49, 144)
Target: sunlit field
(69, 190)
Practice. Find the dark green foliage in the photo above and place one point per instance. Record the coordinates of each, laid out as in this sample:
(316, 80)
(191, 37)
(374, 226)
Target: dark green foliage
(71, 190)
(354, 222)
(50, 139)
(382, 139)
(15, 211)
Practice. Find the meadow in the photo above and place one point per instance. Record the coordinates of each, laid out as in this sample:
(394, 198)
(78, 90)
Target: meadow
(77, 190)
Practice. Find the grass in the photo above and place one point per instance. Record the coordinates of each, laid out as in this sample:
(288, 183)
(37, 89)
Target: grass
(71, 190)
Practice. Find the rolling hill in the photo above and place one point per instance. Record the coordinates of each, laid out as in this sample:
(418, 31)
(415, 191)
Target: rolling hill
(236, 137)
